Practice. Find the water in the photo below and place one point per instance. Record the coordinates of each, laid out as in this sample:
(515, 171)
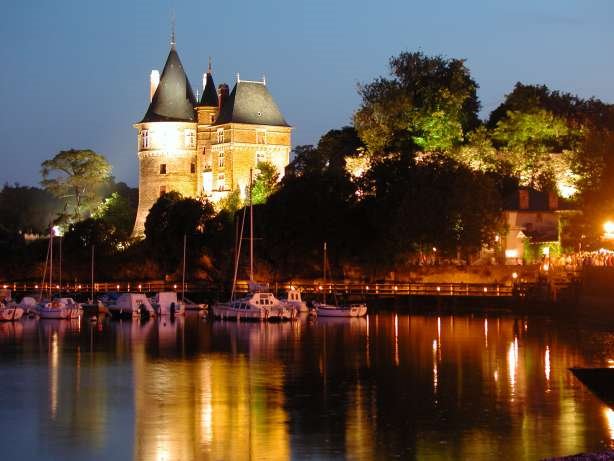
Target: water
(390, 386)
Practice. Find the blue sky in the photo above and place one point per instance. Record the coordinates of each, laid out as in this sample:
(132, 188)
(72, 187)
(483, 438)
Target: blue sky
(75, 72)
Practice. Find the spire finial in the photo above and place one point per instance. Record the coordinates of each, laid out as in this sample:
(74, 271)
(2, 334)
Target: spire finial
(264, 79)
(238, 77)
(173, 42)
(209, 64)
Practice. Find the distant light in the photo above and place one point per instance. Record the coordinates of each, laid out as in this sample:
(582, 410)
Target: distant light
(367, 287)
(79, 287)
(118, 287)
(396, 288)
(497, 238)
(608, 227)
(514, 275)
(56, 230)
(434, 249)
(546, 267)
(320, 287)
(5, 286)
(546, 251)
(485, 289)
(438, 288)
(175, 287)
(511, 253)
(36, 286)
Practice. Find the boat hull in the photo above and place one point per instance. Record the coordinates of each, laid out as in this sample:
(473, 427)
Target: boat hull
(324, 310)
(10, 314)
(59, 313)
(600, 382)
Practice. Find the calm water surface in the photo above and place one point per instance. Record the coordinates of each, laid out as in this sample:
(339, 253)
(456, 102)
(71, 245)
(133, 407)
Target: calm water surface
(389, 386)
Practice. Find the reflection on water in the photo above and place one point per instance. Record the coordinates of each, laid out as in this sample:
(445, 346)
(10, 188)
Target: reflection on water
(390, 385)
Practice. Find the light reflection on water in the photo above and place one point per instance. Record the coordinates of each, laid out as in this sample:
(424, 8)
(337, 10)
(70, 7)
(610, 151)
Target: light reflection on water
(391, 385)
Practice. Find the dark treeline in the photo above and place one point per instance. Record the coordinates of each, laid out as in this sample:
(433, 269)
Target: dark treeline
(417, 170)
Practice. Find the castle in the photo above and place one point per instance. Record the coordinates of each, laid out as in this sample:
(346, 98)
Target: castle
(205, 148)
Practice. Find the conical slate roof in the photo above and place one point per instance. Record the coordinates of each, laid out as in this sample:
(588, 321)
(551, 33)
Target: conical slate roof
(251, 103)
(173, 100)
(209, 97)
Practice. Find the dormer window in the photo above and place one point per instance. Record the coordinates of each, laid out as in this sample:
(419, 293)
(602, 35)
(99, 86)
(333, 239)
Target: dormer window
(220, 135)
(144, 139)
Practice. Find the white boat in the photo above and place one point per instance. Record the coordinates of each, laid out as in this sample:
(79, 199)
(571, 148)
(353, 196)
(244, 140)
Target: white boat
(59, 308)
(28, 304)
(294, 301)
(259, 304)
(131, 305)
(9, 313)
(334, 310)
(256, 306)
(166, 303)
(352, 310)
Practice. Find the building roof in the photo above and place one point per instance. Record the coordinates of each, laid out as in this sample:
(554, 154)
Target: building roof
(209, 97)
(173, 100)
(251, 103)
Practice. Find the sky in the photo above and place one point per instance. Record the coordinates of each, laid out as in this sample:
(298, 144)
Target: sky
(75, 73)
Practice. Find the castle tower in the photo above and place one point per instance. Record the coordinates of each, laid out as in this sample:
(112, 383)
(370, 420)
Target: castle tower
(167, 140)
(248, 130)
(206, 111)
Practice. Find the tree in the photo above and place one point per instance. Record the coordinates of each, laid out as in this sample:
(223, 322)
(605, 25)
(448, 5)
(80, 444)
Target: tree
(169, 219)
(430, 103)
(28, 209)
(117, 211)
(73, 176)
(265, 183)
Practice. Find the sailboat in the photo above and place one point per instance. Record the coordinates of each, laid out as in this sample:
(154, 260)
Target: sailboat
(333, 310)
(259, 304)
(58, 308)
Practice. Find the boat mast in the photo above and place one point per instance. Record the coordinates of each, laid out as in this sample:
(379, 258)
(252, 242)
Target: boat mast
(251, 228)
(60, 286)
(183, 276)
(92, 284)
(324, 276)
(45, 272)
(50, 262)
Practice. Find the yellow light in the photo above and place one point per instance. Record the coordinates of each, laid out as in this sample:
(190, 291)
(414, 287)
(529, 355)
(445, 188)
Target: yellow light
(608, 227)
(36, 286)
(485, 289)
(434, 250)
(514, 275)
(4, 286)
(511, 253)
(174, 287)
(79, 287)
(546, 267)
(117, 287)
(438, 288)
(396, 288)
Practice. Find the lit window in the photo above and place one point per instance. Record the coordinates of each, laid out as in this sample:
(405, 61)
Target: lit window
(193, 168)
(220, 135)
(163, 168)
(162, 190)
(221, 182)
(220, 160)
(189, 138)
(144, 139)
(260, 136)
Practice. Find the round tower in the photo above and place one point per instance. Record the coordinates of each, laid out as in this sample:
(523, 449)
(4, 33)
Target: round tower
(167, 142)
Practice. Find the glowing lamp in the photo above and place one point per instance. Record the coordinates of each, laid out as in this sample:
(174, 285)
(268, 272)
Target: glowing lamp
(511, 253)
(608, 227)
(514, 275)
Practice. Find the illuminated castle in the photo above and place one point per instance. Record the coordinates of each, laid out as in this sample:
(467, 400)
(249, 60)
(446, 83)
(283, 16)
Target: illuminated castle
(205, 148)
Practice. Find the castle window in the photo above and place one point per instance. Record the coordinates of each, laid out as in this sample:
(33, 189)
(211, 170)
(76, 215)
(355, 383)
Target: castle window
(163, 168)
(221, 182)
(220, 135)
(144, 139)
(189, 138)
(193, 168)
(162, 190)
(212, 119)
(260, 136)
(220, 160)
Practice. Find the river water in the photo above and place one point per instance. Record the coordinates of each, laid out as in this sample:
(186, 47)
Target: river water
(385, 387)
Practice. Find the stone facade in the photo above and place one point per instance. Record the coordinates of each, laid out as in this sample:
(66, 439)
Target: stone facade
(208, 151)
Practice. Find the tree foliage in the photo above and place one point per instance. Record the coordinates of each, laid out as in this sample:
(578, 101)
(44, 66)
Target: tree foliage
(73, 176)
(429, 103)
(266, 182)
(169, 219)
(26, 209)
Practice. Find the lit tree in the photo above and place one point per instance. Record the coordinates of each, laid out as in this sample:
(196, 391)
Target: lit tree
(73, 176)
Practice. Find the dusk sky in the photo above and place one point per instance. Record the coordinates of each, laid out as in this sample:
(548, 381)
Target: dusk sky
(75, 73)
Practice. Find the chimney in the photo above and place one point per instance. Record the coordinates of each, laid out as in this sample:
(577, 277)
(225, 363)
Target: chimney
(222, 93)
(154, 81)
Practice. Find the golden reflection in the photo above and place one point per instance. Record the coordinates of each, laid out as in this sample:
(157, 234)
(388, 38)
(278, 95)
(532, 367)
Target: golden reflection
(547, 364)
(486, 333)
(512, 363)
(396, 340)
(435, 368)
(609, 417)
(229, 407)
(54, 370)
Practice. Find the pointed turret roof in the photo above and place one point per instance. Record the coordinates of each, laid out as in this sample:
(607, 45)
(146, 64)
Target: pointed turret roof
(173, 100)
(209, 97)
(251, 103)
